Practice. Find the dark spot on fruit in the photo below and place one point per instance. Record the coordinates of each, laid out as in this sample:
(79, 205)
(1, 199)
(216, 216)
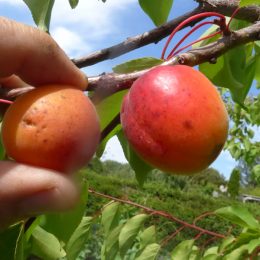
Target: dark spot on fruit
(187, 124)
(45, 141)
(28, 121)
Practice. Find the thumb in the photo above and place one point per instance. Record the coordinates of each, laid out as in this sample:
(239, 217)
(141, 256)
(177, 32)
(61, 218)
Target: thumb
(27, 191)
(35, 57)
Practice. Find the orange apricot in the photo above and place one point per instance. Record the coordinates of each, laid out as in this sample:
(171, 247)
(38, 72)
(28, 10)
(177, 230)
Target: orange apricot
(175, 119)
(53, 126)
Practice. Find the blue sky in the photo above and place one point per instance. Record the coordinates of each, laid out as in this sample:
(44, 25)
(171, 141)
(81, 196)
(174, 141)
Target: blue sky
(94, 25)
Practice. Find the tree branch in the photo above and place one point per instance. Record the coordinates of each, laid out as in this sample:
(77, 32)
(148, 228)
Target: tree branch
(107, 84)
(158, 213)
(110, 83)
(251, 14)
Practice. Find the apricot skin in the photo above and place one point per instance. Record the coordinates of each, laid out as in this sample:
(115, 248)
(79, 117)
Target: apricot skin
(175, 119)
(53, 127)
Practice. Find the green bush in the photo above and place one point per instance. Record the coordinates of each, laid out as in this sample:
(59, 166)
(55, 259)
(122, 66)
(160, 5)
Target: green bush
(162, 193)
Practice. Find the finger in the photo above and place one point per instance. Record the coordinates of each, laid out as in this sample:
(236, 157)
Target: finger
(12, 82)
(35, 57)
(27, 191)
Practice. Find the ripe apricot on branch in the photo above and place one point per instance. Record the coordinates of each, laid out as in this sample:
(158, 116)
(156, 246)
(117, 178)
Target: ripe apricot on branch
(175, 119)
(53, 126)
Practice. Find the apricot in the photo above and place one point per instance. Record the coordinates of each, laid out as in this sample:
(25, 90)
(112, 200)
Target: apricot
(175, 119)
(53, 127)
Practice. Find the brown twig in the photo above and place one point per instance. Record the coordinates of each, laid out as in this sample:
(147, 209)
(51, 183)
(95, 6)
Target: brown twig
(171, 236)
(202, 216)
(158, 213)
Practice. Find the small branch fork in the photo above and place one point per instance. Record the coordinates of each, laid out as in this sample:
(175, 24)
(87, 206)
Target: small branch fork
(163, 214)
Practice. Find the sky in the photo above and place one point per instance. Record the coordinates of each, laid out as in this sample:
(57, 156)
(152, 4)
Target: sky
(95, 25)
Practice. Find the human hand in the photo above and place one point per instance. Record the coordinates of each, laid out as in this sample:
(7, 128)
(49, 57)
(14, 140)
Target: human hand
(29, 56)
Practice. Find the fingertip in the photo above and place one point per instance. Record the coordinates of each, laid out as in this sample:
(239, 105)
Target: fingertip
(83, 81)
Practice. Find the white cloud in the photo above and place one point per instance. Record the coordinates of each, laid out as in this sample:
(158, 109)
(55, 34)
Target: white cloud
(86, 28)
(94, 19)
(70, 41)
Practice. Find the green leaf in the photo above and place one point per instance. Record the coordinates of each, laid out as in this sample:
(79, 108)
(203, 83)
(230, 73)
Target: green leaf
(237, 254)
(235, 69)
(240, 216)
(55, 223)
(257, 47)
(182, 250)
(107, 110)
(73, 3)
(256, 173)
(19, 248)
(149, 253)
(32, 226)
(41, 12)
(211, 254)
(111, 245)
(195, 253)
(2, 149)
(9, 238)
(110, 107)
(148, 236)
(46, 245)
(211, 251)
(232, 72)
(252, 245)
(211, 257)
(244, 239)
(110, 217)
(129, 232)
(249, 2)
(225, 244)
(257, 67)
(137, 65)
(78, 238)
(140, 168)
(157, 10)
(102, 146)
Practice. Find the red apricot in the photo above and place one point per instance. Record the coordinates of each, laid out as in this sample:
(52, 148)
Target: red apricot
(53, 126)
(175, 119)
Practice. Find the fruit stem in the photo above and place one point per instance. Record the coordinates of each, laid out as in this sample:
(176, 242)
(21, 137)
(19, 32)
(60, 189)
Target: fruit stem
(222, 21)
(6, 101)
(190, 44)
(232, 17)
(186, 36)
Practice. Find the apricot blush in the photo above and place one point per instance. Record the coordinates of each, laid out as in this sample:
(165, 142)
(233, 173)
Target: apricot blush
(52, 126)
(175, 119)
